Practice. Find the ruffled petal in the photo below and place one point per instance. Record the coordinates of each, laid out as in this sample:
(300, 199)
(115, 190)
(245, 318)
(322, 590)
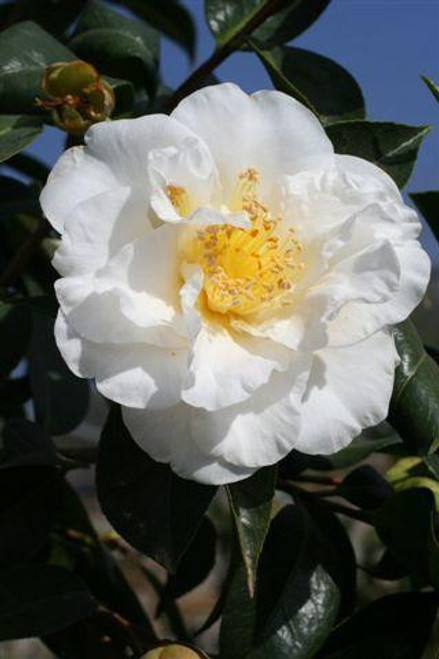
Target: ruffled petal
(349, 389)
(134, 375)
(269, 131)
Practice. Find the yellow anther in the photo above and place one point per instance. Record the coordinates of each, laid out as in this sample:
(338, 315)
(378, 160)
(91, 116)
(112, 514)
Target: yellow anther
(179, 198)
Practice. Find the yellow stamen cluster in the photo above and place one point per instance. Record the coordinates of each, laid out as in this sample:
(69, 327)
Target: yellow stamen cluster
(247, 270)
(179, 198)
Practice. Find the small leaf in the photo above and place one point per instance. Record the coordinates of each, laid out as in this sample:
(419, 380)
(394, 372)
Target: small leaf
(17, 132)
(41, 599)
(169, 17)
(61, 399)
(251, 503)
(281, 21)
(395, 627)
(117, 45)
(25, 51)
(306, 75)
(365, 488)
(405, 523)
(393, 147)
(432, 87)
(428, 204)
(154, 510)
(414, 410)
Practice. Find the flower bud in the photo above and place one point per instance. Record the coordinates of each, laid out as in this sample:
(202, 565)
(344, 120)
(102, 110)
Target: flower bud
(77, 96)
(173, 651)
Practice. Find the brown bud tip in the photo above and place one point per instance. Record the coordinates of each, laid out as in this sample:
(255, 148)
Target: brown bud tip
(68, 78)
(173, 651)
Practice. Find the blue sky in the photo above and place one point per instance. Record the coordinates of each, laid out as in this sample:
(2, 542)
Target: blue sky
(385, 44)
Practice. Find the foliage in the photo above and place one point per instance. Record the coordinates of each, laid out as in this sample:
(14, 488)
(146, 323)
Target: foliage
(291, 589)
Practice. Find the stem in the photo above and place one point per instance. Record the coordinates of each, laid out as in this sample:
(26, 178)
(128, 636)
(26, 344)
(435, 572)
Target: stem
(335, 507)
(218, 56)
(24, 254)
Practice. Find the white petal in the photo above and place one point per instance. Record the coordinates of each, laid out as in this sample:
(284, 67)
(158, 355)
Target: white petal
(269, 131)
(357, 321)
(115, 155)
(349, 389)
(165, 436)
(77, 176)
(134, 375)
(97, 228)
(226, 368)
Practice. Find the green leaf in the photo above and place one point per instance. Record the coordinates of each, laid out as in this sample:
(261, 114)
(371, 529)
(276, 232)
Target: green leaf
(154, 510)
(25, 51)
(61, 399)
(372, 440)
(282, 20)
(414, 409)
(315, 77)
(26, 443)
(28, 498)
(432, 87)
(41, 599)
(116, 45)
(15, 333)
(392, 627)
(428, 204)
(296, 600)
(405, 523)
(251, 503)
(194, 567)
(393, 147)
(54, 17)
(169, 17)
(365, 488)
(17, 132)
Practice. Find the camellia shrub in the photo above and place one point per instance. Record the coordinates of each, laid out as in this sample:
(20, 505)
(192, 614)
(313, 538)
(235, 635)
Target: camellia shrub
(231, 276)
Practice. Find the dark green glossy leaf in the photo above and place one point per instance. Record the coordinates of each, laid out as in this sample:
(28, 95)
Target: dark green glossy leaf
(26, 443)
(61, 399)
(15, 333)
(296, 600)
(14, 392)
(75, 542)
(432, 464)
(41, 599)
(315, 77)
(28, 497)
(16, 197)
(25, 50)
(251, 502)
(53, 15)
(195, 565)
(432, 87)
(414, 410)
(405, 523)
(153, 509)
(428, 204)
(393, 147)
(169, 17)
(282, 19)
(393, 627)
(372, 440)
(124, 94)
(17, 132)
(116, 45)
(365, 488)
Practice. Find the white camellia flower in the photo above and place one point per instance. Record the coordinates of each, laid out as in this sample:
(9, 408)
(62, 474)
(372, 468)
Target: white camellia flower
(230, 281)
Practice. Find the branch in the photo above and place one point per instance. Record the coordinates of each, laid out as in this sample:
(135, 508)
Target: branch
(218, 56)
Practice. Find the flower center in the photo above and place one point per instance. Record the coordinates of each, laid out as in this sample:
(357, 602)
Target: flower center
(247, 270)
